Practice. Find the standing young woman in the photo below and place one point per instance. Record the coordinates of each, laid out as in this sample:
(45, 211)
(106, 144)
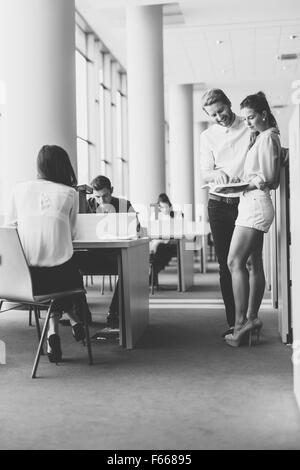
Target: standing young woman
(44, 212)
(255, 216)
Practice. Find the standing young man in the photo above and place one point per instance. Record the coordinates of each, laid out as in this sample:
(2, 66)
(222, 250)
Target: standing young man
(223, 150)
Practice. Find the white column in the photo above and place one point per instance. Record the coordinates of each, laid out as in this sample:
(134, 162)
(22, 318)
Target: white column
(37, 63)
(181, 158)
(201, 195)
(145, 103)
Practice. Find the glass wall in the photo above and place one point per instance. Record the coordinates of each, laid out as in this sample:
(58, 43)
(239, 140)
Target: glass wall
(101, 111)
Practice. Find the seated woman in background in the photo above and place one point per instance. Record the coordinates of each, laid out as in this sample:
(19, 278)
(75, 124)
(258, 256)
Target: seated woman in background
(161, 251)
(44, 211)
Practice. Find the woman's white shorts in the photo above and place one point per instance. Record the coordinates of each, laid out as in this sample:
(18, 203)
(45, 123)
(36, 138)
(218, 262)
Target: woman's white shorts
(256, 210)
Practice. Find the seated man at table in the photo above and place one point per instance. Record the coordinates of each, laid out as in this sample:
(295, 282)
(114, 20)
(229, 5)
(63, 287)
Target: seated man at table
(104, 262)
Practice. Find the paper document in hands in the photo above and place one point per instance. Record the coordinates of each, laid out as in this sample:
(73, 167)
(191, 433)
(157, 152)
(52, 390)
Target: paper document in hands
(218, 188)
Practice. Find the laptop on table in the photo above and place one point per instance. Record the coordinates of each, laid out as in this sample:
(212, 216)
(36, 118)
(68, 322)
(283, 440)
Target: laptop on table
(111, 226)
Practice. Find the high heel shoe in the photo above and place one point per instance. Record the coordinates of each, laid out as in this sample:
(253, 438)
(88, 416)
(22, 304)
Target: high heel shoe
(78, 332)
(55, 354)
(239, 335)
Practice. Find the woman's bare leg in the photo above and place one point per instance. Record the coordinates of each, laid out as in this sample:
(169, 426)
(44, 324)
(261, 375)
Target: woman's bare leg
(256, 280)
(76, 310)
(53, 326)
(244, 242)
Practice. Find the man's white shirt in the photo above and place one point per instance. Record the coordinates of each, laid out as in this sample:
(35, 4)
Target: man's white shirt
(225, 148)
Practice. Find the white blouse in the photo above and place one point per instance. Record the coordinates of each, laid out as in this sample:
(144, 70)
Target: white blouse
(263, 160)
(45, 214)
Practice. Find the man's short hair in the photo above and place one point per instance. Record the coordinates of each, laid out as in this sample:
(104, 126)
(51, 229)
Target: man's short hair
(213, 96)
(101, 182)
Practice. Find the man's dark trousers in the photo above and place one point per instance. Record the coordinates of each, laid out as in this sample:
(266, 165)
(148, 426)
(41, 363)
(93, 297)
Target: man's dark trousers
(222, 217)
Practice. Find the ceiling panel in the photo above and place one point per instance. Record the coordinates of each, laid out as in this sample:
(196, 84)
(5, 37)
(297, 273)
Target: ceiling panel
(286, 46)
(220, 51)
(243, 49)
(250, 37)
(264, 66)
(211, 12)
(297, 72)
(195, 44)
(177, 63)
(286, 69)
(290, 30)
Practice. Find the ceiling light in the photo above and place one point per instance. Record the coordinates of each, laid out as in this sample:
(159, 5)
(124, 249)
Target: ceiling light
(292, 56)
(219, 42)
(293, 36)
(223, 71)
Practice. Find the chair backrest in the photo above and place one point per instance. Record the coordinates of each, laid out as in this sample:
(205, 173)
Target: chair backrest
(15, 279)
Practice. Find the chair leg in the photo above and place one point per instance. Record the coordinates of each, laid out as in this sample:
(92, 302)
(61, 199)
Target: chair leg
(152, 279)
(40, 347)
(201, 261)
(155, 281)
(87, 335)
(30, 316)
(110, 284)
(103, 280)
(92, 281)
(37, 324)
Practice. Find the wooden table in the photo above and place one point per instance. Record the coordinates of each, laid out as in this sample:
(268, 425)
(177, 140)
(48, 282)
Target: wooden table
(133, 272)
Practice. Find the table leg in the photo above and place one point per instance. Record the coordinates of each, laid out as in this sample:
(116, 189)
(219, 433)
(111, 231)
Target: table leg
(186, 264)
(134, 273)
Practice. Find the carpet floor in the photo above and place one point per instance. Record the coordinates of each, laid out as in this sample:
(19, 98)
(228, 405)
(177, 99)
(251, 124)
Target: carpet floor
(181, 388)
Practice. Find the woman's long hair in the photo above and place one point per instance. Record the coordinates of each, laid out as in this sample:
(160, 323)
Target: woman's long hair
(164, 198)
(53, 164)
(258, 102)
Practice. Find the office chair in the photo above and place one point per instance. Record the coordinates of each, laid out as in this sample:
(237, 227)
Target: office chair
(87, 280)
(32, 309)
(110, 283)
(16, 286)
(165, 252)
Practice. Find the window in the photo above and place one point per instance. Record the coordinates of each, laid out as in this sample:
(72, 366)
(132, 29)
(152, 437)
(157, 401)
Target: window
(82, 106)
(101, 111)
(81, 96)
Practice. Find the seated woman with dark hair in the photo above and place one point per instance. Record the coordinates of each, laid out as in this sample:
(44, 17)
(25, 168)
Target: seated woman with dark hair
(162, 251)
(44, 212)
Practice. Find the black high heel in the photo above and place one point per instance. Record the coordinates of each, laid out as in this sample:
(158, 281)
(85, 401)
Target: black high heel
(55, 355)
(78, 332)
